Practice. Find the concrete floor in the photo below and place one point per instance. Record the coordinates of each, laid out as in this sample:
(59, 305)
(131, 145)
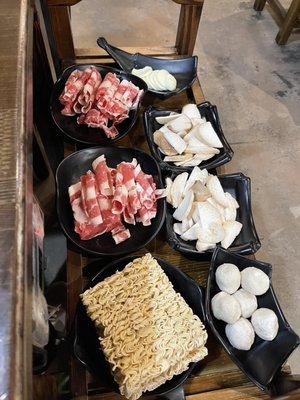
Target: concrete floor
(256, 86)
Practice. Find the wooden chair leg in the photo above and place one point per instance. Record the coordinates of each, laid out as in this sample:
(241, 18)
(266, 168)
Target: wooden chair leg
(187, 30)
(259, 5)
(288, 23)
(61, 26)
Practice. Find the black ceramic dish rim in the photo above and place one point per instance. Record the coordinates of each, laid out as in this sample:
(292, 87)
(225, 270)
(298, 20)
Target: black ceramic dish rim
(209, 320)
(249, 248)
(162, 94)
(126, 260)
(109, 69)
(165, 166)
(95, 253)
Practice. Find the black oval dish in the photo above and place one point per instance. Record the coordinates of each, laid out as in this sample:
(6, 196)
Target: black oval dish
(82, 133)
(265, 358)
(208, 111)
(86, 343)
(183, 69)
(247, 242)
(77, 164)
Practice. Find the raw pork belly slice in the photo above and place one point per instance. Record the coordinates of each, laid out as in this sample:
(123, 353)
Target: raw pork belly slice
(101, 103)
(102, 200)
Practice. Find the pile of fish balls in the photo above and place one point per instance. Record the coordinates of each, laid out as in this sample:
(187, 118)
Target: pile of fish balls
(237, 301)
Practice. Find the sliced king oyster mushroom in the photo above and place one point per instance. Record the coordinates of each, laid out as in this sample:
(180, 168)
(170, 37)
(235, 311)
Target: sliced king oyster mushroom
(196, 160)
(201, 246)
(232, 201)
(214, 234)
(201, 192)
(208, 214)
(193, 208)
(196, 146)
(174, 140)
(232, 229)
(192, 111)
(208, 135)
(169, 184)
(177, 228)
(184, 207)
(195, 175)
(216, 190)
(163, 144)
(178, 157)
(230, 213)
(167, 118)
(180, 123)
(186, 224)
(221, 209)
(187, 157)
(192, 233)
(177, 188)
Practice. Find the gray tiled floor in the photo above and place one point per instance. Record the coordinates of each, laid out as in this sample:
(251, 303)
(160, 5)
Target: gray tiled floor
(256, 86)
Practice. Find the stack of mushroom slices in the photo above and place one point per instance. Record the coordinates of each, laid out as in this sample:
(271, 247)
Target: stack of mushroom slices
(186, 139)
(204, 212)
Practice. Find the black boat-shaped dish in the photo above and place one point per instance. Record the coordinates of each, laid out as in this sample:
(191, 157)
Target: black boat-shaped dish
(210, 113)
(82, 133)
(247, 242)
(86, 342)
(77, 164)
(265, 358)
(183, 69)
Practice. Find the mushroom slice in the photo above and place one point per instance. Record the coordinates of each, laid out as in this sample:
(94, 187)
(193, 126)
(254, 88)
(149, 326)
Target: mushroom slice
(187, 224)
(191, 111)
(191, 233)
(200, 191)
(196, 160)
(230, 214)
(201, 246)
(163, 144)
(177, 188)
(216, 190)
(169, 184)
(231, 200)
(178, 157)
(196, 146)
(208, 135)
(221, 209)
(184, 207)
(196, 175)
(214, 234)
(177, 227)
(167, 118)
(232, 229)
(208, 214)
(180, 123)
(174, 140)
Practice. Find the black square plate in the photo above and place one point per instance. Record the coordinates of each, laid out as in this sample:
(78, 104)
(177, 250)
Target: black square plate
(247, 242)
(184, 69)
(86, 343)
(77, 164)
(265, 358)
(208, 111)
(82, 133)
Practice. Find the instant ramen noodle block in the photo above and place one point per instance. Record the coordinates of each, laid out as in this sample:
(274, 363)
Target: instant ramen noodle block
(147, 331)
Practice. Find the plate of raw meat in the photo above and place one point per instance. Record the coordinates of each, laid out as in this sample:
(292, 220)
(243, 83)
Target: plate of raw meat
(96, 105)
(110, 200)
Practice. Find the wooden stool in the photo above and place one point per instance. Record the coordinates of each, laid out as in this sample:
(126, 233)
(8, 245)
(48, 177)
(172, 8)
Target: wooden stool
(286, 20)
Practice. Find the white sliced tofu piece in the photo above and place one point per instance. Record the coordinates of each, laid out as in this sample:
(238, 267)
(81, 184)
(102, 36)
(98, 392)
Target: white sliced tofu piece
(232, 230)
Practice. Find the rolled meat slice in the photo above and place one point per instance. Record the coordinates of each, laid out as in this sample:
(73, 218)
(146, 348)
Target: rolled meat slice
(89, 198)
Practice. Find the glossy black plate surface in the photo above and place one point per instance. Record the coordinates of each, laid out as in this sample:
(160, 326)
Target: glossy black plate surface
(77, 164)
(265, 358)
(247, 242)
(183, 69)
(86, 343)
(208, 111)
(82, 133)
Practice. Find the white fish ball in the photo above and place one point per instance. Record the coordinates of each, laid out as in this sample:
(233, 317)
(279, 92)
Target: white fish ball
(240, 334)
(265, 323)
(225, 307)
(228, 277)
(247, 302)
(255, 281)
